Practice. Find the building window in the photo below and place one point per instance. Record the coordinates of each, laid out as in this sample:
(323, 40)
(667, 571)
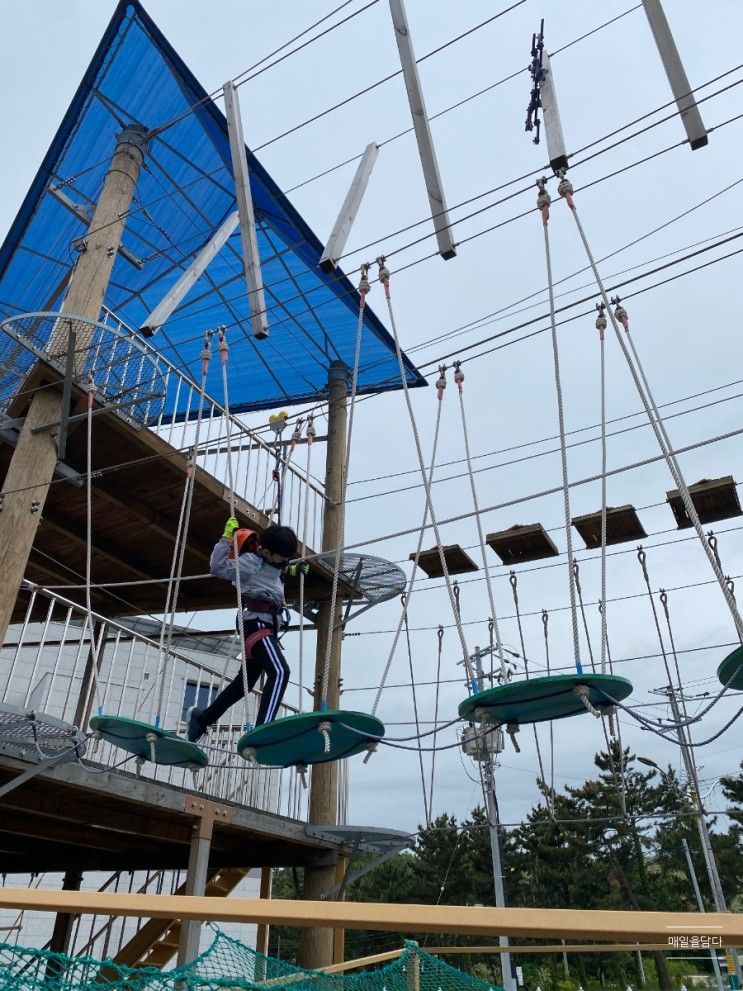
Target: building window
(196, 694)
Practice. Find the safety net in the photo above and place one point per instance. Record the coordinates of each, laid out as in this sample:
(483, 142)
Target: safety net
(185, 192)
(227, 963)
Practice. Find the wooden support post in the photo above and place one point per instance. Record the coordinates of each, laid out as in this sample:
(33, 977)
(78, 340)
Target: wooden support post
(339, 935)
(316, 945)
(261, 939)
(198, 868)
(62, 933)
(35, 457)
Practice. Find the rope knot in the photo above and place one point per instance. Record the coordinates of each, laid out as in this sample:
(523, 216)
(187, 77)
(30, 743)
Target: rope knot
(601, 319)
(310, 432)
(543, 199)
(581, 692)
(458, 375)
(441, 382)
(512, 729)
(364, 284)
(371, 748)
(565, 189)
(249, 754)
(151, 738)
(384, 275)
(223, 346)
(325, 728)
(620, 313)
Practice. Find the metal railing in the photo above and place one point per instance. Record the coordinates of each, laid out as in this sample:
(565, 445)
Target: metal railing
(46, 666)
(253, 458)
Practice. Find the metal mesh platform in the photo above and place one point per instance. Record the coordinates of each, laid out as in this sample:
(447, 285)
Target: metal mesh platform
(372, 578)
(35, 736)
(126, 372)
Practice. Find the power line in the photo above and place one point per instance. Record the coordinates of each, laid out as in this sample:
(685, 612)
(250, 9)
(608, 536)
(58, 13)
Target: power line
(529, 497)
(351, 291)
(465, 100)
(551, 437)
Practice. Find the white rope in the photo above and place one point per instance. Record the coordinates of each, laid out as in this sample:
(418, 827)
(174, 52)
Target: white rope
(601, 326)
(310, 433)
(654, 416)
(416, 558)
(561, 420)
(224, 357)
(364, 288)
(384, 278)
(94, 646)
(181, 542)
(459, 379)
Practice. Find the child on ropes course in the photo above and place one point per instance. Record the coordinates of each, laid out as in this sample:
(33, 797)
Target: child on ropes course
(264, 564)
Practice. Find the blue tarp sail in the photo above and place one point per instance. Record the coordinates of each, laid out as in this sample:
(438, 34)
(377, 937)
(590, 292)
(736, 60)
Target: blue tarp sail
(184, 193)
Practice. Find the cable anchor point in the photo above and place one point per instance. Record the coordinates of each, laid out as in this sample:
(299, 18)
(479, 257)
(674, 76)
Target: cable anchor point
(543, 199)
(601, 319)
(565, 187)
(441, 382)
(620, 313)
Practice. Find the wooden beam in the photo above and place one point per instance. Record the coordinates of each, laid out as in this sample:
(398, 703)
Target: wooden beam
(155, 521)
(440, 951)
(460, 919)
(101, 548)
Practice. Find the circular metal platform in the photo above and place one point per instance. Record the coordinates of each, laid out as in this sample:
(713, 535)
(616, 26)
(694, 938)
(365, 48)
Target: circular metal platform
(132, 736)
(311, 738)
(537, 700)
(127, 374)
(36, 736)
(372, 578)
(730, 672)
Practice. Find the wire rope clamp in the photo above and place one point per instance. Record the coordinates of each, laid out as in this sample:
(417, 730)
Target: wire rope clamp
(512, 729)
(139, 765)
(325, 728)
(581, 692)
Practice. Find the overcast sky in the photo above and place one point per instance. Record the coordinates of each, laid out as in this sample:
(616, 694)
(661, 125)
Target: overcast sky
(687, 331)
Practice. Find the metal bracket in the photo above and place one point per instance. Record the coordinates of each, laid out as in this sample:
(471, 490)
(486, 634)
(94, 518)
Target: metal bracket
(85, 215)
(108, 408)
(9, 430)
(350, 876)
(206, 814)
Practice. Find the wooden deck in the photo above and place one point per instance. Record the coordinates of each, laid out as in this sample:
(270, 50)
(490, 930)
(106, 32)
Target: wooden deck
(69, 818)
(137, 494)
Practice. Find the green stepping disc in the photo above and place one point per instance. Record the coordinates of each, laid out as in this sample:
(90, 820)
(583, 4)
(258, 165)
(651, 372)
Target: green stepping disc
(537, 700)
(732, 667)
(131, 735)
(300, 740)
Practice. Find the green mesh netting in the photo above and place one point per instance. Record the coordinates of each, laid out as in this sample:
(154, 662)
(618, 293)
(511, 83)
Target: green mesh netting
(227, 963)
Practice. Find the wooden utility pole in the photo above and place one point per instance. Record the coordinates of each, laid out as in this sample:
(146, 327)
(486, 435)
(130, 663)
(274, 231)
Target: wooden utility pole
(316, 945)
(35, 457)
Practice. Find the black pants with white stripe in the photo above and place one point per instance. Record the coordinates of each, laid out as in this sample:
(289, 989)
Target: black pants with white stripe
(267, 659)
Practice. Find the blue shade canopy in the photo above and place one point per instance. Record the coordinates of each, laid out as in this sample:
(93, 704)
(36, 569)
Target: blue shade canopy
(185, 191)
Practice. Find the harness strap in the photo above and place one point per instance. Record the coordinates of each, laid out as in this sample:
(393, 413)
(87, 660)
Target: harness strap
(254, 638)
(259, 605)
